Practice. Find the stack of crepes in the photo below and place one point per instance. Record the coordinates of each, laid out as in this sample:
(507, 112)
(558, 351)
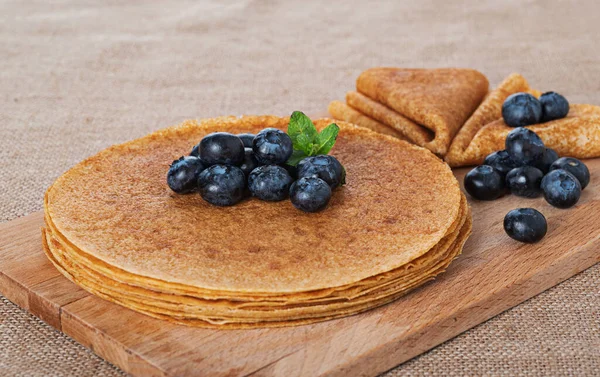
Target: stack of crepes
(113, 227)
(450, 112)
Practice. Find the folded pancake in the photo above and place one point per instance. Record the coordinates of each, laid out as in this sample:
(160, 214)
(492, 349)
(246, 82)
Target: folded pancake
(410, 130)
(489, 111)
(577, 135)
(440, 100)
(341, 111)
(114, 227)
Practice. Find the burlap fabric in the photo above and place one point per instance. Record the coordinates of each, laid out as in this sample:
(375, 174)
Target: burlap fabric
(77, 78)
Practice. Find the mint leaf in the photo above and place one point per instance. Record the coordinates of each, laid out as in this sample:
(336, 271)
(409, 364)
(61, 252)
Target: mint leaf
(300, 124)
(304, 144)
(327, 138)
(296, 157)
(308, 142)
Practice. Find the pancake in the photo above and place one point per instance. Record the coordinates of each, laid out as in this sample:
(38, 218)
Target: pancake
(413, 132)
(344, 292)
(440, 100)
(490, 110)
(418, 268)
(114, 227)
(343, 112)
(577, 135)
(158, 310)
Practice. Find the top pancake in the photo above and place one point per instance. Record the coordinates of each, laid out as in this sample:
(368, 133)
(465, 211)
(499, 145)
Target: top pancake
(399, 202)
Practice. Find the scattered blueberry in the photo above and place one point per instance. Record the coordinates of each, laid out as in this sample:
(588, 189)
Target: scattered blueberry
(247, 139)
(554, 106)
(183, 174)
(521, 109)
(326, 167)
(269, 182)
(547, 159)
(250, 162)
(484, 183)
(272, 146)
(525, 181)
(524, 146)
(310, 194)
(500, 161)
(561, 188)
(222, 185)
(575, 167)
(525, 225)
(221, 148)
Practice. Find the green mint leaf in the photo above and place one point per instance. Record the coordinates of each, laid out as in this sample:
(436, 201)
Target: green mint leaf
(300, 124)
(304, 144)
(327, 138)
(296, 157)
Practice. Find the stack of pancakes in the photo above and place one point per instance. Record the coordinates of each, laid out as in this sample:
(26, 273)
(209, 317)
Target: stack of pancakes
(450, 112)
(113, 227)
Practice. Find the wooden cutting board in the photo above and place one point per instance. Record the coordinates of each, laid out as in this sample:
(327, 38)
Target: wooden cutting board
(493, 274)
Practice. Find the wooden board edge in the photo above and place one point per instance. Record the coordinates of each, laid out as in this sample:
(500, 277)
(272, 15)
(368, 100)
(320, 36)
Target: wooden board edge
(107, 347)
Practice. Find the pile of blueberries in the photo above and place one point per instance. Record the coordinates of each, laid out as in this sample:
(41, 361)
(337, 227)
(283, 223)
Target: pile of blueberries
(226, 168)
(527, 168)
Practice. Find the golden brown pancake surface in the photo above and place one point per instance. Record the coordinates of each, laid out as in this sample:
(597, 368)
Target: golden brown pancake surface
(399, 202)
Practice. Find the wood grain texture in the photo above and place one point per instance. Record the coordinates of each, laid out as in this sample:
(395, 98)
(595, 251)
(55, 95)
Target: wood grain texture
(493, 274)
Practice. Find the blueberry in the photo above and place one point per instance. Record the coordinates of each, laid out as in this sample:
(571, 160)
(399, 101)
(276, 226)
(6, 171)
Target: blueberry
(292, 170)
(484, 183)
(561, 188)
(525, 181)
(272, 146)
(575, 167)
(326, 167)
(222, 185)
(500, 161)
(183, 174)
(524, 146)
(247, 139)
(554, 106)
(250, 162)
(521, 109)
(195, 151)
(221, 148)
(525, 225)
(269, 182)
(310, 194)
(547, 159)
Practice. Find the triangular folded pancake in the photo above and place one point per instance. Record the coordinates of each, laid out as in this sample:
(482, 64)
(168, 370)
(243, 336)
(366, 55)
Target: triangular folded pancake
(438, 99)
(577, 135)
(489, 111)
(341, 111)
(410, 130)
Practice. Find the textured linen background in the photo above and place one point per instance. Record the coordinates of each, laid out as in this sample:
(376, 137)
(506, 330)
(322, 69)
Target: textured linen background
(76, 77)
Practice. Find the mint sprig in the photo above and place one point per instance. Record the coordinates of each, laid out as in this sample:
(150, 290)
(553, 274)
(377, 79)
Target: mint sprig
(307, 140)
